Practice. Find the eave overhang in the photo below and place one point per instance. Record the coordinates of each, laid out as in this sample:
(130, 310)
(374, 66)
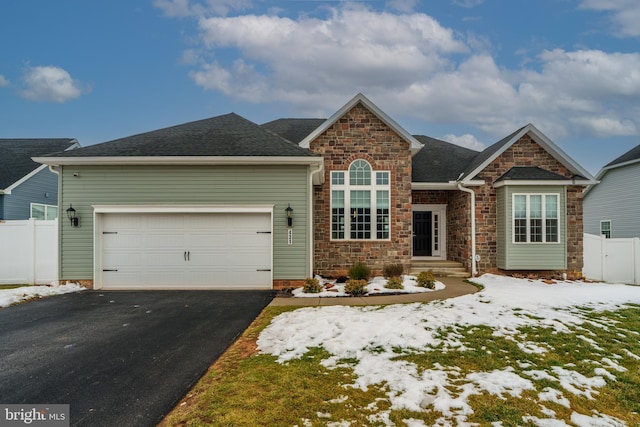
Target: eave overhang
(451, 185)
(532, 182)
(317, 161)
(181, 160)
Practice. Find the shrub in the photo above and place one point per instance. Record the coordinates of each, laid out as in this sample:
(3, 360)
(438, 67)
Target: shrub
(394, 283)
(360, 271)
(392, 270)
(426, 280)
(356, 287)
(312, 285)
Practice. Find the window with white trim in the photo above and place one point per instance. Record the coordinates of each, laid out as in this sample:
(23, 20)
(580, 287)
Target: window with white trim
(605, 228)
(40, 211)
(360, 203)
(536, 218)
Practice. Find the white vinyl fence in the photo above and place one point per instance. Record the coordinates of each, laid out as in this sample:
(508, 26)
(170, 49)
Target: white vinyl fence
(612, 260)
(28, 252)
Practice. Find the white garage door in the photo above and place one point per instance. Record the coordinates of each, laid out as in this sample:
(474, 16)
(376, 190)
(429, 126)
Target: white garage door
(185, 251)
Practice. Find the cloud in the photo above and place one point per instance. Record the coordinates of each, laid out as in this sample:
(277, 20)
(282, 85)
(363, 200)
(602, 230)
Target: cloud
(50, 83)
(416, 68)
(404, 6)
(3, 81)
(625, 15)
(352, 45)
(184, 8)
(466, 140)
(468, 3)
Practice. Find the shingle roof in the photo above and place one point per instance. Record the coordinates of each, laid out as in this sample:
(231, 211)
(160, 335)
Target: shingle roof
(488, 152)
(439, 161)
(226, 135)
(530, 173)
(16, 154)
(629, 156)
(295, 130)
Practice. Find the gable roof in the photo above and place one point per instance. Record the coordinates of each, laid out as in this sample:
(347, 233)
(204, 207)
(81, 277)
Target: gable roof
(227, 139)
(494, 151)
(439, 161)
(295, 130)
(630, 157)
(361, 99)
(16, 154)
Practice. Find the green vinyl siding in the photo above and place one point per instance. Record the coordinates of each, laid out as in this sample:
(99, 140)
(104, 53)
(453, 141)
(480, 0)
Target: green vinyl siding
(529, 256)
(186, 185)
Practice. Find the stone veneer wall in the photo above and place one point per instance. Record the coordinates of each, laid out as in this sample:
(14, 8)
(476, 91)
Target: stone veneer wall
(359, 134)
(525, 152)
(458, 220)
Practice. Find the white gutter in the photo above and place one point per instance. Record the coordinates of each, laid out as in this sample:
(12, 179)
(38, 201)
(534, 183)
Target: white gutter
(319, 172)
(180, 160)
(472, 193)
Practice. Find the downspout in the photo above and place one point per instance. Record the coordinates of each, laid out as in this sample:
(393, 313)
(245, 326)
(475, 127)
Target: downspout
(314, 171)
(472, 193)
(57, 172)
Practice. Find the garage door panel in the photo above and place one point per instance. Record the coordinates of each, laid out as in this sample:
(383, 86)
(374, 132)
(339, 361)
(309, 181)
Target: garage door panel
(199, 251)
(163, 240)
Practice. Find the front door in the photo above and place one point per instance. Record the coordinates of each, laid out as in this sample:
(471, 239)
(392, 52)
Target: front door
(422, 233)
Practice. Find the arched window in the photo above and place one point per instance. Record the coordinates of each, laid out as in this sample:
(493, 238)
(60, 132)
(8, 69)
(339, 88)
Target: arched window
(360, 203)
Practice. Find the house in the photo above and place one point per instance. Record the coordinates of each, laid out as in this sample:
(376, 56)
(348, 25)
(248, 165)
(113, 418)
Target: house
(611, 208)
(29, 189)
(224, 202)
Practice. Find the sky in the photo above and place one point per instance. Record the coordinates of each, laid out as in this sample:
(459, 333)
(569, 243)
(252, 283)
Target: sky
(466, 71)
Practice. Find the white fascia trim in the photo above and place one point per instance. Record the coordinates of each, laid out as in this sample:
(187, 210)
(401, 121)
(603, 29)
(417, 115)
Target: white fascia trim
(415, 144)
(101, 209)
(562, 182)
(605, 169)
(434, 186)
(451, 185)
(22, 180)
(546, 143)
(181, 160)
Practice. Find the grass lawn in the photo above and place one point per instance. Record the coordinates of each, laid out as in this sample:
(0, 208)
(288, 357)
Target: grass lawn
(12, 286)
(575, 373)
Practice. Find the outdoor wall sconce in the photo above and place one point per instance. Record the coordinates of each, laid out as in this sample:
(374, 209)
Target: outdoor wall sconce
(289, 212)
(71, 214)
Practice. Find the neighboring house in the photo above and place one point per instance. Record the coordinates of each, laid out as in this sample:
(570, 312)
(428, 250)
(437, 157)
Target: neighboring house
(27, 188)
(206, 204)
(612, 207)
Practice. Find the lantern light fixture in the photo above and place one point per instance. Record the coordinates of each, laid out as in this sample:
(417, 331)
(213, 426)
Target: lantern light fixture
(289, 212)
(71, 214)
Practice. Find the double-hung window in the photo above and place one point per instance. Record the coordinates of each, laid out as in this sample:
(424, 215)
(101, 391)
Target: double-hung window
(535, 218)
(605, 228)
(360, 203)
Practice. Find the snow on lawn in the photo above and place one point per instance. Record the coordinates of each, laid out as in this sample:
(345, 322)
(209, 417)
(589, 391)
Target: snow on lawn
(371, 334)
(16, 295)
(375, 286)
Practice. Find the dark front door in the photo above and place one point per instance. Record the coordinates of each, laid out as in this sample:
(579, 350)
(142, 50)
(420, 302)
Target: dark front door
(422, 234)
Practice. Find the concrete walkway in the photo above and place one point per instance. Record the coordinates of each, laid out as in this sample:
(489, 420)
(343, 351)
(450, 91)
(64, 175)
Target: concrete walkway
(455, 287)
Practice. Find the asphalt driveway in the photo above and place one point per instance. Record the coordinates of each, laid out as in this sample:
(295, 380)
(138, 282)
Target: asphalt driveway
(118, 358)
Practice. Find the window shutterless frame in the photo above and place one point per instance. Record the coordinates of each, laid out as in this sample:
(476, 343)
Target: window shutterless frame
(605, 228)
(360, 203)
(535, 218)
